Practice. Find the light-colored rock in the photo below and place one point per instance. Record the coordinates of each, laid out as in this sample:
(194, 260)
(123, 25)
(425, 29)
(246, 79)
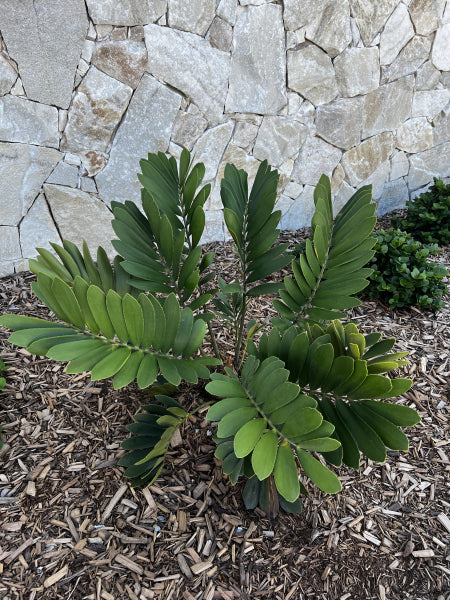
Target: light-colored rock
(316, 157)
(241, 160)
(426, 165)
(187, 129)
(300, 212)
(293, 190)
(244, 133)
(96, 111)
(45, 39)
(254, 2)
(337, 178)
(333, 33)
(88, 50)
(210, 148)
(394, 196)
(427, 77)
(124, 60)
(88, 185)
(214, 227)
(227, 10)
(64, 174)
(413, 55)
(424, 14)
(303, 13)
(311, 74)
(126, 12)
(279, 138)
(8, 75)
(195, 16)
(17, 88)
(9, 248)
(371, 16)
(119, 33)
(429, 103)
(399, 165)
(340, 122)
(396, 33)
(360, 162)
(441, 131)
(37, 229)
(95, 224)
(220, 34)
(377, 179)
(146, 127)
(23, 170)
(62, 119)
(342, 196)
(388, 106)
(357, 71)
(440, 54)
(294, 38)
(204, 73)
(103, 31)
(415, 135)
(256, 85)
(137, 34)
(28, 122)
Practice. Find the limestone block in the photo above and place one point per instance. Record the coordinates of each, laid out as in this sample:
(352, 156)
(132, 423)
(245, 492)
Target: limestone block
(279, 138)
(195, 16)
(300, 212)
(424, 15)
(37, 229)
(214, 227)
(137, 33)
(427, 77)
(357, 71)
(333, 33)
(80, 216)
(8, 75)
(316, 157)
(204, 73)
(371, 16)
(396, 33)
(342, 196)
(441, 132)
(429, 103)
(124, 60)
(220, 34)
(360, 162)
(293, 190)
(388, 106)
(337, 178)
(284, 203)
(440, 54)
(399, 165)
(415, 135)
(258, 86)
(88, 185)
(126, 12)
(28, 122)
(377, 179)
(394, 196)
(23, 170)
(96, 111)
(227, 10)
(434, 162)
(146, 127)
(311, 74)
(302, 13)
(340, 122)
(9, 248)
(241, 160)
(413, 55)
(254, 2)
(294, 38)
(187, 129)
(244, 133)
(64, 174)
(210, 148)
(45, 38)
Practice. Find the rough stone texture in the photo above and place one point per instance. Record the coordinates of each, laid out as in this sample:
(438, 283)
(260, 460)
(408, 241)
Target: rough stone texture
(371, 16)
(311, 74)
(357, 71)
(424, 15)
(126, 12)
(377, 179)
(245, 133)
(28, 122)
(441, 132)
(124, 60)
(388, 106)
(210, 148)
(227, 10)
(9, 248)
(94, 227)
(426, 165)
(333, 33)
(301, 211)
(204, 73)
(96, 111)
(64, 174)
(145, 128)
(29, 32)
(37, 229)
(8, 75)
(214, 227)
(427, 77)
(399, 165)
(23, 170)
(257, 86)
(278, 139)
(302, 13)
(360, 162)
(396, 33)
(220, 34)
(415, 135)
(440, 54)
(195, 16)
(429, 103)
(394, 196)
(187, 129)
(340, 122)
(241, 160)
(413, 55)
(315, 158)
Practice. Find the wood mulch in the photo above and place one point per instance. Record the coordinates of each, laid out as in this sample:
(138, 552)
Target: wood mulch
(71, 528)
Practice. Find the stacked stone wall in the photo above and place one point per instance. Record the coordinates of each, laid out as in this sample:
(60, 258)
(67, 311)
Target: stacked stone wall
(356, 89)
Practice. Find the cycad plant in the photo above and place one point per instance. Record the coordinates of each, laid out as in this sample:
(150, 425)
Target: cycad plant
(312, 385)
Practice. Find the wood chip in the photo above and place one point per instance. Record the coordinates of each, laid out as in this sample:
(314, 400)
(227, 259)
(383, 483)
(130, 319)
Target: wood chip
(56, 577)
(114, 500)
(200, 567)
(129, 564)
(443, 518)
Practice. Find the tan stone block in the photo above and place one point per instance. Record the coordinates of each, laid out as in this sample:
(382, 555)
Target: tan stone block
(360, 162)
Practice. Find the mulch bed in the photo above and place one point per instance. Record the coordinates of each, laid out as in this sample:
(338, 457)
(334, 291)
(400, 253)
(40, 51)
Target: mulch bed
(71, 527)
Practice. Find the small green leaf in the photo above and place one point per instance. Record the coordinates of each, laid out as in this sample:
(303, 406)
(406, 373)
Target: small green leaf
(264, 455)
(325, 479)
(285, 474)
(247, 437)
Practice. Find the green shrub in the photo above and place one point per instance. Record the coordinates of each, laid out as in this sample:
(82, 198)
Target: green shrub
(402, 275)
(311, 385)
(428, 215)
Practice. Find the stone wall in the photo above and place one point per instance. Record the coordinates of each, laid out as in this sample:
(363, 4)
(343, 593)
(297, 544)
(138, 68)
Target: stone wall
(356, 89)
